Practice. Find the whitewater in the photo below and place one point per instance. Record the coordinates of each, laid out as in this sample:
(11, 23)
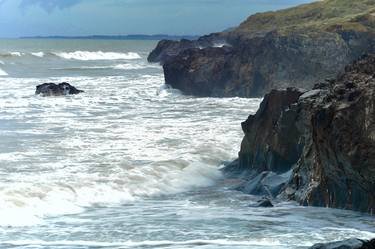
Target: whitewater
(131, 163)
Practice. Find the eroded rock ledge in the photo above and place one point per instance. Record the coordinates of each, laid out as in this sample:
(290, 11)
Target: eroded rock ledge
(316, 147)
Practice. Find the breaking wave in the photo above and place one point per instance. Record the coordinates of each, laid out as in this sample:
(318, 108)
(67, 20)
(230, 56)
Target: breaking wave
(126, 66)
(20, 54)
(129, 66)
(76, 55)
(11, 54)
(99, 55)
(3, 73)
(27, 204)
(38, 54)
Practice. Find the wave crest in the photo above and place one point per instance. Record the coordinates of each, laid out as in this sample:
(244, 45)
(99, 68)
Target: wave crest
(3, 73)
(99, 55)
(38, 54)
(11, 54)
(27, 203)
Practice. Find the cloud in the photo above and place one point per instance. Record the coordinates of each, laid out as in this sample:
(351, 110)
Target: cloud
(47, 5)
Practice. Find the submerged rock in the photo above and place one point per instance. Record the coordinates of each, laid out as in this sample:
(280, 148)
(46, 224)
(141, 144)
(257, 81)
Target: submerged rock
(264, 202)
(347, 244)
(52, 89)
(324, 139)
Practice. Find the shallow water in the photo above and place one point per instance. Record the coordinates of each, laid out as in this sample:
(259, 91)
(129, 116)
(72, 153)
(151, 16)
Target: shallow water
(130, 163)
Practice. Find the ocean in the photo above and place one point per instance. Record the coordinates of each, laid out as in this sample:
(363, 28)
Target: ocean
(131, 163)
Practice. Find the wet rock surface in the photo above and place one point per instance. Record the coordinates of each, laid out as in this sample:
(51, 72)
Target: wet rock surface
(252, 66)
(52, 89)
(320, 144)
(264, 202)
(347, 244)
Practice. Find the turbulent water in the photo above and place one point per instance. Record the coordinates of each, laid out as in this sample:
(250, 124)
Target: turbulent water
(130, 163)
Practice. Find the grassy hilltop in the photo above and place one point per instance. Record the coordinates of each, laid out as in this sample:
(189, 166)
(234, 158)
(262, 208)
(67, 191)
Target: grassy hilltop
(326, 15)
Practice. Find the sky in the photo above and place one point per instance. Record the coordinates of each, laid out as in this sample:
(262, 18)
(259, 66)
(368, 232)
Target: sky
(120, 17)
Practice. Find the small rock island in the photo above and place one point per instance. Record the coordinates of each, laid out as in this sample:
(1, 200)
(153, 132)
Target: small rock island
(52, 89)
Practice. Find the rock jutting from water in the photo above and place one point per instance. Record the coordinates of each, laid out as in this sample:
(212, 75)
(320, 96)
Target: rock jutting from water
(295, 47)
(316, 147)
(52, 89)
(347, 244)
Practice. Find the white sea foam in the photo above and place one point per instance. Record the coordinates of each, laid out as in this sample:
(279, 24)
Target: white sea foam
(107, 149)
(107, 160)
(18, 54)
(129, 66)
(148, 243)
(126, 66)
(11, 54)
(2, 63)
(99, 55)
(38, 54)
(3, 73)
(220, 44)
(33, 202)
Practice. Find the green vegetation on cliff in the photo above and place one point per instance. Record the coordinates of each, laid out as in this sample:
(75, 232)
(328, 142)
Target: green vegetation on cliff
(295, 47)
(326, 15)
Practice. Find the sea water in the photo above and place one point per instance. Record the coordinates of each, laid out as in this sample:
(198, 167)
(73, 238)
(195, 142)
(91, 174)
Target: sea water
(131, 163)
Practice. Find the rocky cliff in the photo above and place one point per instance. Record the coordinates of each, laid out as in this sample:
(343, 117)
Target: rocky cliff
(318, 146)
(290, 48)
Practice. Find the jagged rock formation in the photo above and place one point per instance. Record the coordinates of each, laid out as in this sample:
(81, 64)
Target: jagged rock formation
(290, 48)
(319, 144)
(52, 89)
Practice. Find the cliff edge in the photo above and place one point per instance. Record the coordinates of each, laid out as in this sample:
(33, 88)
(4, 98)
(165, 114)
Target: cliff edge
(295, 47)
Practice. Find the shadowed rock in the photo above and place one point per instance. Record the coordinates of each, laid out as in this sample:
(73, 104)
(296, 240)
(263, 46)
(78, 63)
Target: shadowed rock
(323, 138)
(347, 244)
(264, 202)
(52, 89)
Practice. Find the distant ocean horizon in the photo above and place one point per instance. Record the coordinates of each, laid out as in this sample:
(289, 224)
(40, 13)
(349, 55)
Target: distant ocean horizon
(115, 37)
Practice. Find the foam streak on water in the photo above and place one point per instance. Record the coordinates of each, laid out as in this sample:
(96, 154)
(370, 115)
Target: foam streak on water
(130, 163)
(98, 55)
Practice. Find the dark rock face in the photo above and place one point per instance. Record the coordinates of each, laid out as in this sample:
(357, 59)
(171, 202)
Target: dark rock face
(269, 145)
(265, 202)
(167, 49)
(347, 244)
(197, 79)
(252, 66)
(325, 139)
(52, 89)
